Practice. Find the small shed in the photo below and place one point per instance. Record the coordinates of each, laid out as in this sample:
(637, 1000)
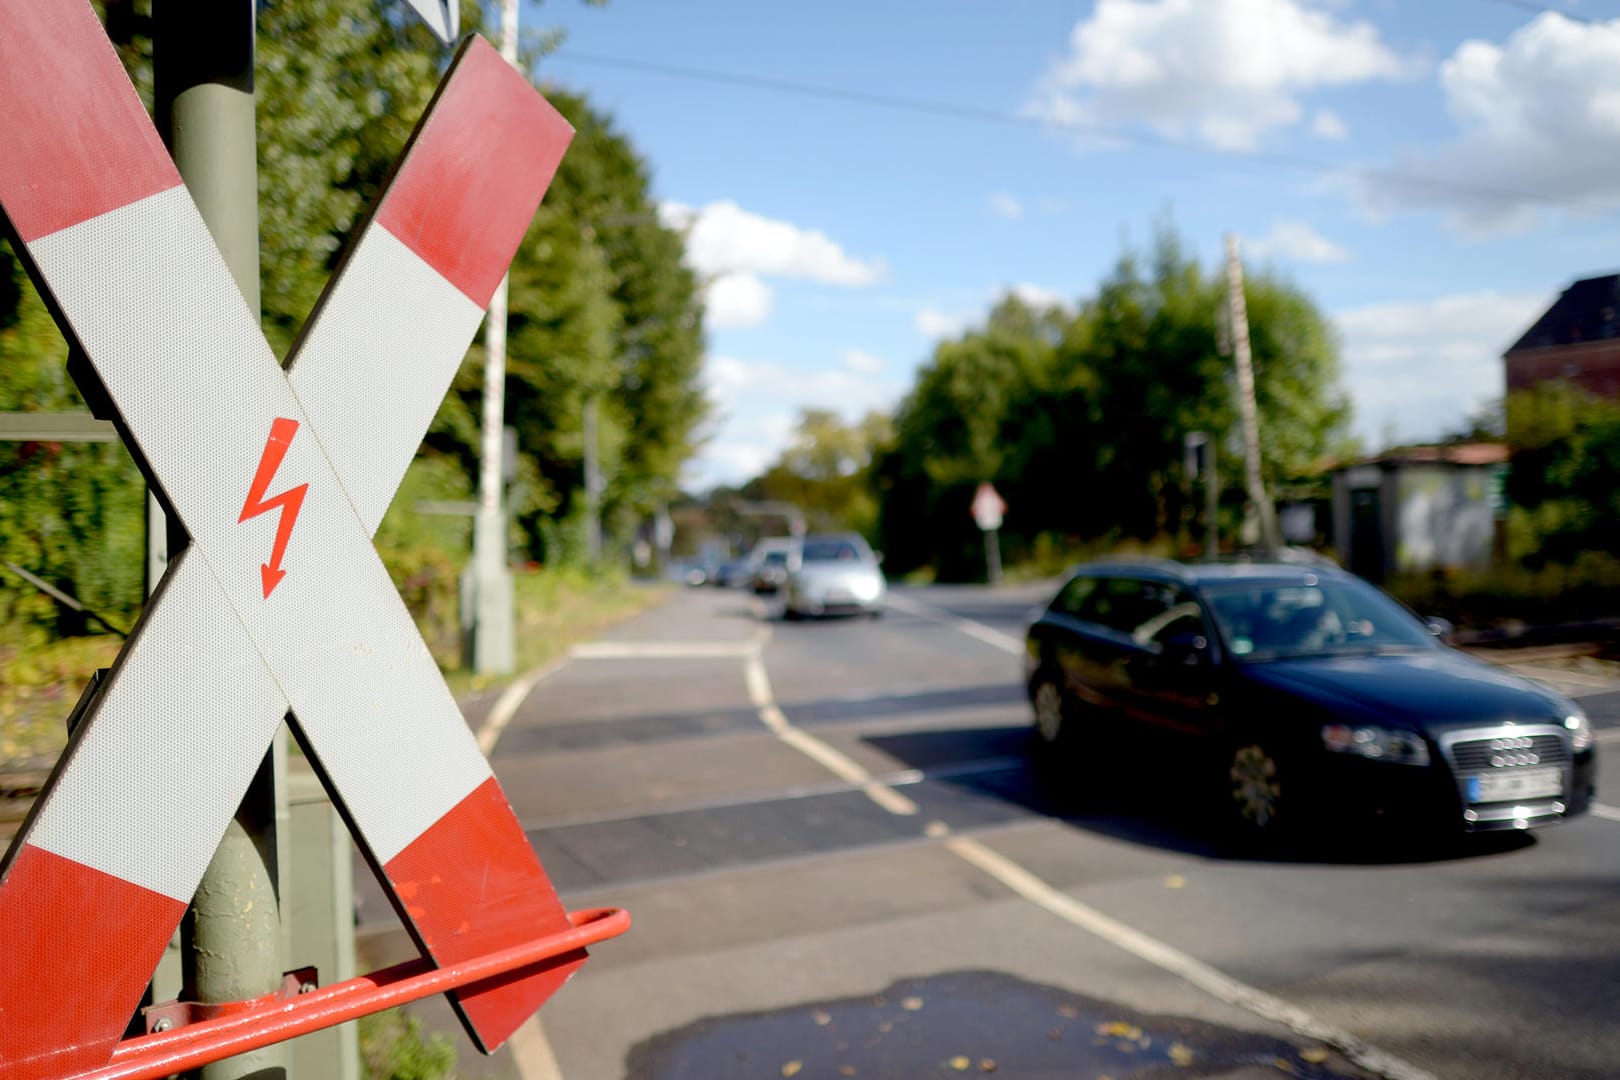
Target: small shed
(1419, 508)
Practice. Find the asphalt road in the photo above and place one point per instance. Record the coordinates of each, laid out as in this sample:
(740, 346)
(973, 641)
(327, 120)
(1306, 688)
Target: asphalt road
(840, 863)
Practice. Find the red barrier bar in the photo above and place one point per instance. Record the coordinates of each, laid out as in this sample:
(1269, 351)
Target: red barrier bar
(152, 1057)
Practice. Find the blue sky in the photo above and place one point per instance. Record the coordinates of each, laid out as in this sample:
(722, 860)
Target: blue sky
(1432, 174)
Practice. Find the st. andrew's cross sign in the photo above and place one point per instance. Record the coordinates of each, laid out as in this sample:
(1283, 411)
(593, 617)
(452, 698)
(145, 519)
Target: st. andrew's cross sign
(280, 603)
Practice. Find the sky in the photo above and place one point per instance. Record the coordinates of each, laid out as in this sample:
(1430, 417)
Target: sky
(859, 180)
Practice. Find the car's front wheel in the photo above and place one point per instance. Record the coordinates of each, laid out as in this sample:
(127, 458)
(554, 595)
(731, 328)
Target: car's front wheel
(1259, 806)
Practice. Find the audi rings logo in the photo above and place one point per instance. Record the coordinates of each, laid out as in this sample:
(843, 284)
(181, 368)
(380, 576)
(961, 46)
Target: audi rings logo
(1505, 752)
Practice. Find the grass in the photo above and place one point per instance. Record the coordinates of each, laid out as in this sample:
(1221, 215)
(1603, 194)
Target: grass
(555, 609)
(40, 680)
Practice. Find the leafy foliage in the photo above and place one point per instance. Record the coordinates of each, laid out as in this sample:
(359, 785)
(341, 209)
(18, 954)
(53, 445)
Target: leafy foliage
(1077, 417)
(826, 471)
(1565, 453)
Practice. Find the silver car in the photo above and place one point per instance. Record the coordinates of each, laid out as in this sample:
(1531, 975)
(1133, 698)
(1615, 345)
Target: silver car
(834, 573)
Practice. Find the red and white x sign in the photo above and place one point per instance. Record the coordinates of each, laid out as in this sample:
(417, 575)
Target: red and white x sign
(280, 602)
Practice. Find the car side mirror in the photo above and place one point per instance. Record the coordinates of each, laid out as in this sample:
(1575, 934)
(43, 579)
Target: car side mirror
(1440, 628)
(1189, 649)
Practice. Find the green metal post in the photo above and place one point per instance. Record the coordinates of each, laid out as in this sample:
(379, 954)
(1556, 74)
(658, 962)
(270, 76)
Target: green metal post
(203, 78)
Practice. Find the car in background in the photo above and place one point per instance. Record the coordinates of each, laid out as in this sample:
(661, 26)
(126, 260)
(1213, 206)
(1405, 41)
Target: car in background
(1304, 694)
(834, 573)
(768, 563)
(731, 574)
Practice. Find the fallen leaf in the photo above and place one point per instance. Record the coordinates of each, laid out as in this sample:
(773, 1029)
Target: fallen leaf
(1068, 1010)
(846, 1070)
(1055, 1034)
(912, 1004)
(1119, 1029)
(1181, 1055)
(987, 1065)
(822, 1019)
(961, 1063)
(791, 1068)
(1175, 881)
(1313, 1054)
(885, 1027)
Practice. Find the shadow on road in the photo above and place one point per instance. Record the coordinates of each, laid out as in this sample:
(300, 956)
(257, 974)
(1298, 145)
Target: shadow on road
(1155, 801)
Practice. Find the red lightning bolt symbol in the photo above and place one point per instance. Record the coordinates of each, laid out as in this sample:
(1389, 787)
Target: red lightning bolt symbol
(288, 502)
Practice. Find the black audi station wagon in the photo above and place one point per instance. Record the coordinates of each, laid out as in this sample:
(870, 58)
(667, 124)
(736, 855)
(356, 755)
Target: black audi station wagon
(1313, 696)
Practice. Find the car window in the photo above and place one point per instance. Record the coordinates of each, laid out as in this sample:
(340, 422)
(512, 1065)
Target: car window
(1127, 604)
(1267, 621)
(1183, 618)
(831, 551)
(1071, 599)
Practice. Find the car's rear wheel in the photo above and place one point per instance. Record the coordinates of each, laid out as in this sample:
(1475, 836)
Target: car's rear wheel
(1053, 726)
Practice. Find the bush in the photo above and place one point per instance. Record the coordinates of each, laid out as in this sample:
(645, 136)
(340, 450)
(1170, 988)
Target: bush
(1513, 596)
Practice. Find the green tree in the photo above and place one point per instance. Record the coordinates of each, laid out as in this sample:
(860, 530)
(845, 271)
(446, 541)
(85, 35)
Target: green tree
(1564, 446)
(1078, 418)
(826, 471)
(953, 431)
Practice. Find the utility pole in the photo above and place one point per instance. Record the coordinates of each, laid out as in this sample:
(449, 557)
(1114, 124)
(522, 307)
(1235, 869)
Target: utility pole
(1269, 536)
(492, 644)
(593, 485)
(203, 53)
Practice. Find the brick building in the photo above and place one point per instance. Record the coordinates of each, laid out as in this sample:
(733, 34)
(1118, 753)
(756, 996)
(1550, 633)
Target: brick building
(1577, 339)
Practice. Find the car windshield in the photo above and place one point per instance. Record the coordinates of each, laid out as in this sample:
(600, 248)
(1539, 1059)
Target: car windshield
(1265, 621)
(831, 551)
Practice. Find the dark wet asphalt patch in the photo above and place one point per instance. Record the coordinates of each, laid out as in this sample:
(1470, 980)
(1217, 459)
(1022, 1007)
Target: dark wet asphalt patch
(971, 1023)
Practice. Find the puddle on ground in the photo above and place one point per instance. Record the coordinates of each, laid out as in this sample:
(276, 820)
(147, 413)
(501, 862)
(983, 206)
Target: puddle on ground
(972, 1024)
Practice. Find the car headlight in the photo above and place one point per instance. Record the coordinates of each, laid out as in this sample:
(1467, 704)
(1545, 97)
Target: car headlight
(1580, 730)
(1376, 743)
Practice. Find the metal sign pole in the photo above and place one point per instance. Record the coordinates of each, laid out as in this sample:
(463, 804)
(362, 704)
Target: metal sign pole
(203, 56)
(493, 647)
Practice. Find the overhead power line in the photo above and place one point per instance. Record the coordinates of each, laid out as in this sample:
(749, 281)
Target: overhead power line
(980, 114)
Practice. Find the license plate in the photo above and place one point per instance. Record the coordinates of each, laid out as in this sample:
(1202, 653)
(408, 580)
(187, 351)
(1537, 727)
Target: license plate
(1505, 785)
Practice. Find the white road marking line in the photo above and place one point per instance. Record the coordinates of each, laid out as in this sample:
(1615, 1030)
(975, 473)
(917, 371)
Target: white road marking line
(1606, 736)
(833, 760)
(531, 1052)
(1607, 813)
(1176, 962)
(506, 706)
(986, 634)
(664, 650)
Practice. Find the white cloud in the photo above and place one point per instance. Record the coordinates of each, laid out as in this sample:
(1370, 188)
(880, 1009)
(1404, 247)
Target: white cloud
(1538, 114)
(936, 324)
(1007, 206)
(723, 238)
(1418, 369)
(862, 363)
(736, 300)
(1223, 71)
(1037, 296)
(1296, 241)
(757, 406)
(1329, 125)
